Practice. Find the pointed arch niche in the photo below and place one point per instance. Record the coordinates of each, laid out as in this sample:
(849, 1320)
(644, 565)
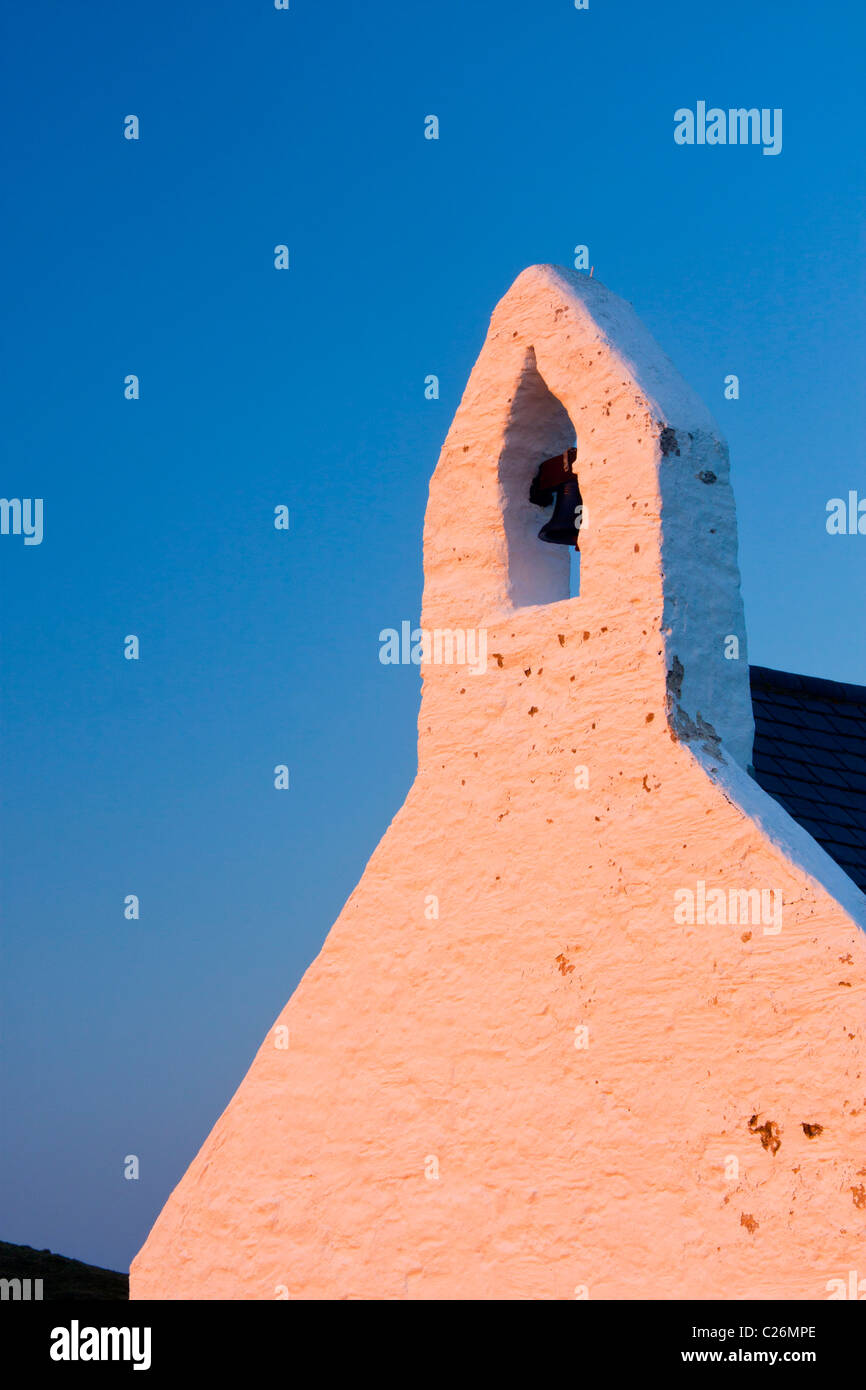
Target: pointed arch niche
(538, 427)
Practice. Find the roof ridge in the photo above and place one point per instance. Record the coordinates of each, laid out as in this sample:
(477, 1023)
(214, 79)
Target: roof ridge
(766, 678)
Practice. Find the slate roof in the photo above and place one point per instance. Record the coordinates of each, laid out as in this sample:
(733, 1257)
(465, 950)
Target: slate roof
(810, 755)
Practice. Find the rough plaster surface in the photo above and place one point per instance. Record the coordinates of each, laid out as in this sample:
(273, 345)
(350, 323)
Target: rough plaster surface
(419, 1045)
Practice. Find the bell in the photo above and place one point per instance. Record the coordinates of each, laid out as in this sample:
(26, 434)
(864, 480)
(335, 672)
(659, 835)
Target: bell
(556, 483)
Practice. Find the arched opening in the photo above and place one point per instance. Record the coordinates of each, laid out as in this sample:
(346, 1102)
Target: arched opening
(539, 432)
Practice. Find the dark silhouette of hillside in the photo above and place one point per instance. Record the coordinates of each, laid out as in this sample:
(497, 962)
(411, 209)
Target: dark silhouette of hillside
(62, 1279)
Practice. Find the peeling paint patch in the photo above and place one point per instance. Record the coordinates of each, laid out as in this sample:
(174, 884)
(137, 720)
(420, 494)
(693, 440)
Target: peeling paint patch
(668, 441)
(771, 1135)
(675, 678)
(697, 730)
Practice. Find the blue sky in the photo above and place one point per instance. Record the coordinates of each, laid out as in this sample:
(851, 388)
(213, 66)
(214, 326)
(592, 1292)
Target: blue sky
(306, 388)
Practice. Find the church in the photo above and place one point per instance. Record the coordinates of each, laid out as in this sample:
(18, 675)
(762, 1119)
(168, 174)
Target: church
(560, 1085)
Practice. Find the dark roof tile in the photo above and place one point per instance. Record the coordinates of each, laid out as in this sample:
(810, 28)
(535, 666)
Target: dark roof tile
(810, 756)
